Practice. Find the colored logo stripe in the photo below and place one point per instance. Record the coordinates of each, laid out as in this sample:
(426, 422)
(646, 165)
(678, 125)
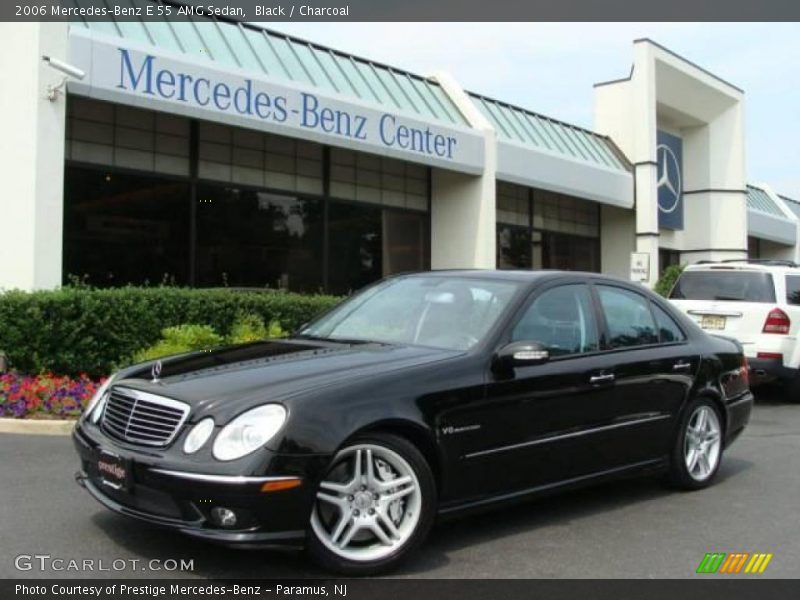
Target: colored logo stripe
(758, 564)
(711, 562)
(720, 562)
(734, 562)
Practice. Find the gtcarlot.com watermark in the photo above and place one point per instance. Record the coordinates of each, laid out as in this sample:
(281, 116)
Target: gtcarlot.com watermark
(47, 563)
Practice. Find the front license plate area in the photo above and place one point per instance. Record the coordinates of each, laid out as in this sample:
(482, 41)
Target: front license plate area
(114, 471)
(713, 322)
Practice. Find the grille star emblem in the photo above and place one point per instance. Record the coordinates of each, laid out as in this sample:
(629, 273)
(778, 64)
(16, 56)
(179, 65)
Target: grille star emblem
(155, 371)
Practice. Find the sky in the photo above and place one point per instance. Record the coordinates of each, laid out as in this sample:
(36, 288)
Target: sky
(550, 68)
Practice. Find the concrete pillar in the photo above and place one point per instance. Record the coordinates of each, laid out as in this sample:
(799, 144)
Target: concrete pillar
(463, 210)
(31, 156)
(643, 88)
(617, 241)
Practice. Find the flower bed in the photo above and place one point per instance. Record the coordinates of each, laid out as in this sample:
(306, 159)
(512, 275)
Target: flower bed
(43, 396)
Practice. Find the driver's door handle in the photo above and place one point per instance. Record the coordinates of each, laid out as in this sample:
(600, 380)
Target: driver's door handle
(681, 366)
(607, 378)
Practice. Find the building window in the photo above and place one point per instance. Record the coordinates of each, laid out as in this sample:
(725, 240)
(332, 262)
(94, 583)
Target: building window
(513, 204)
(569, 252)
(544, 230)
(513, 247)
(355, 246)
(406, 242)
(378, 180)
(753, 247)
(127, 137)
(268, 239)
(668, 258)
(241, 208)
(565, 214)
(121, 228)
(248, 157)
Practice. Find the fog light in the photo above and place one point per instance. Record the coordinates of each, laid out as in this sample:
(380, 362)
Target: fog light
(224, 517)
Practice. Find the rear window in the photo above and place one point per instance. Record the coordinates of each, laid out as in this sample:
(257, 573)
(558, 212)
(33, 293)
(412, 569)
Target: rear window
(792, 289)
(741, 286)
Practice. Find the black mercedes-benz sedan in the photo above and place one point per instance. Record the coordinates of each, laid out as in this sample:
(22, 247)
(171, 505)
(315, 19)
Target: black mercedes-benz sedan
(422, 396)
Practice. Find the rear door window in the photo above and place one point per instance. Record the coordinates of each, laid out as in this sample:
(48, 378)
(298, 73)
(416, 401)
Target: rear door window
(727, 285)
(628, 318)
(668, 330)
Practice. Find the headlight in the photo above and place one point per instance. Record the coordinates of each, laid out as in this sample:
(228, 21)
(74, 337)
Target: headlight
(198, 436)
(95, 406)
(249, 431)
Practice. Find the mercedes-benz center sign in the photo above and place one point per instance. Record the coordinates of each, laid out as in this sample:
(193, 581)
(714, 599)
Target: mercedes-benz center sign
(135, 75)
(669, 156)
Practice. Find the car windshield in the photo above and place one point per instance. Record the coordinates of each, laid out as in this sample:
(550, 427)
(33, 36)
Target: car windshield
(444, 312)
(735, 285)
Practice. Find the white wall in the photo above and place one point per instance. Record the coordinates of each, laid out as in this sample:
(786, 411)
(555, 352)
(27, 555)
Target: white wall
(463, 207)
(617, 241)
(31, 157)
(667, 92)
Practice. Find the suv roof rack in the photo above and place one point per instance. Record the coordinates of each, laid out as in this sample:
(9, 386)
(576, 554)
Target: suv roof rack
(774, 262)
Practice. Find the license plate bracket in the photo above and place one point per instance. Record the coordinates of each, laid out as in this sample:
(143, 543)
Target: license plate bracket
(114, 471)
(716, 322)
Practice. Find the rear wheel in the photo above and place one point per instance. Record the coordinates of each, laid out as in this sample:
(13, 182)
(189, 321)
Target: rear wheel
(698, 449)
(375, 503)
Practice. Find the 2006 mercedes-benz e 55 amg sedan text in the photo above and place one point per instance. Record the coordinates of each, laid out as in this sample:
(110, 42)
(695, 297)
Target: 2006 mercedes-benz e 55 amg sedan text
(424, 395)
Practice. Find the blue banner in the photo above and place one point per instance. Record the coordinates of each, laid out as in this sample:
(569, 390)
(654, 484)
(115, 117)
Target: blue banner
(669, 156)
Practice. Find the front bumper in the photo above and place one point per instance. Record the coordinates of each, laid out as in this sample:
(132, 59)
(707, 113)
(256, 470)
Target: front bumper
(173, 495)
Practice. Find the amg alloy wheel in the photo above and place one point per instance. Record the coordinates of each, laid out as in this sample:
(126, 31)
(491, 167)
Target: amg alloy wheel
(374, 503)
(698, 449)
(702, 443)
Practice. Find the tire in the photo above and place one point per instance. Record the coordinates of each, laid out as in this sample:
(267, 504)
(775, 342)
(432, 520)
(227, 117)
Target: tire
(694, 471)
(362, 523)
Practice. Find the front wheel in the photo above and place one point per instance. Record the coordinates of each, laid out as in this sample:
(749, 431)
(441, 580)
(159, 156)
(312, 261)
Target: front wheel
(375, 503)
(698, 449)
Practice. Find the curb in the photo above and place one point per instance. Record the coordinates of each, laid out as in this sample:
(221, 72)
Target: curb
(36, 426)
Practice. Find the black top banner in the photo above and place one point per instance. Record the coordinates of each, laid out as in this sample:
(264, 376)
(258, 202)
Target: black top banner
(404, 10)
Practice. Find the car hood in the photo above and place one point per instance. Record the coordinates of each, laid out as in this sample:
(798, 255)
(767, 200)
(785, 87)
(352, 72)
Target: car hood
(233, 377)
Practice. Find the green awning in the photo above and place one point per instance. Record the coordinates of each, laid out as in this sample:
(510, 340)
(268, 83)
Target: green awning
(264, 52)
(522, 126)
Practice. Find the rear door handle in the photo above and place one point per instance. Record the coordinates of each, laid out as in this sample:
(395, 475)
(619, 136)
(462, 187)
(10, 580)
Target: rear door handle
(681, 366)
(595, 379)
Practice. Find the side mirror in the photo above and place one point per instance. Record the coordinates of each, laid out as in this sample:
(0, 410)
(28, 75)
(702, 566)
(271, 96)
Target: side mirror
(519, 354)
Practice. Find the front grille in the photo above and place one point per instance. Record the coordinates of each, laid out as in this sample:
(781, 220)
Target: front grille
(142, 418)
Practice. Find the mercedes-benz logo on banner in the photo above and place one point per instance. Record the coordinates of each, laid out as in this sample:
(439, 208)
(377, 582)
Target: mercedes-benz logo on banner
(669, 179)
(155, 371)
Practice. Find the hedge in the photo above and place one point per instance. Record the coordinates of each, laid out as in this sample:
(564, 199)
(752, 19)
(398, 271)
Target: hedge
(667, 280)
(71, 331)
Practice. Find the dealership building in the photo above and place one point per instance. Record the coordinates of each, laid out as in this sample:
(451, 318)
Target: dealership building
(210, 153)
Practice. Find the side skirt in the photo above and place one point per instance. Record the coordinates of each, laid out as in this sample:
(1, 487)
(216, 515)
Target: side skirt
(453, 510)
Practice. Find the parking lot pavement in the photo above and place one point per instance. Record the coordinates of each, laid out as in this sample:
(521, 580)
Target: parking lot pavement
(630, 529)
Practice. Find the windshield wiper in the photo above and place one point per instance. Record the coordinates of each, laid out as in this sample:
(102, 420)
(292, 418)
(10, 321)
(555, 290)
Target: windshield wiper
(729, 298)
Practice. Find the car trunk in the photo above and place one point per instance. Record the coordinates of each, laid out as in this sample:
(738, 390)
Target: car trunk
(733, 301)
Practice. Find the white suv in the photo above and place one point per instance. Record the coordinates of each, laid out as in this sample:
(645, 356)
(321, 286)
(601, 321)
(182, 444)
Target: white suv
(755, 301)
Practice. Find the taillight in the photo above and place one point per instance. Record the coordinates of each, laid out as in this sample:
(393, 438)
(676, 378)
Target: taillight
(745, 371)
(777, 322)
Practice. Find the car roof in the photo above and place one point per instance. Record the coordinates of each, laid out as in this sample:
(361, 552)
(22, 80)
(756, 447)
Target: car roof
(745, 265)
(517, 275)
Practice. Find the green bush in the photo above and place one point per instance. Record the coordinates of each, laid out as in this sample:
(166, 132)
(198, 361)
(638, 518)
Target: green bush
(78, 330)
(668, 278)
(179, 339)
(251, 328)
